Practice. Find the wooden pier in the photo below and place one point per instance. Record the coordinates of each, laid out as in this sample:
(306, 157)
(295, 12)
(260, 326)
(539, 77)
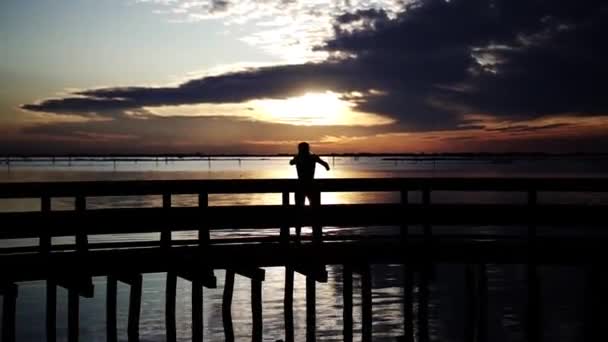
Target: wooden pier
(72, 266)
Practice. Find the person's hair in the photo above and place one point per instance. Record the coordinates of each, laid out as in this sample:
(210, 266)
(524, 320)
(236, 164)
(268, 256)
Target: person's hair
(303, 148)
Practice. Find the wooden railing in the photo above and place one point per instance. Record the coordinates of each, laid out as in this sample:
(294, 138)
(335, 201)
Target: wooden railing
(72, 266)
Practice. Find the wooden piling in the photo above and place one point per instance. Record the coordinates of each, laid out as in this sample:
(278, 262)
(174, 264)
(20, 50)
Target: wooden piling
(9, 307)
(73, 314)
(111, 289)
(170, 293)
(408, 304)
(533, 324)
(423, 304)
(197, 310)
(310, 309)
(347, 292)
(288, 304)
(51, 310)
(256, 310)
(134, 308)
(366, 303)
(469, 295)
(227, 306)
(482, 304)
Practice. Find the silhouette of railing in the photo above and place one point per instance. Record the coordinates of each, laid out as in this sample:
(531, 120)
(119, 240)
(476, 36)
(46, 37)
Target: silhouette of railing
(72, 266)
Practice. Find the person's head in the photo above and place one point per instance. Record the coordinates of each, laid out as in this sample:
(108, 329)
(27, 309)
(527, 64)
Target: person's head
(303, 148)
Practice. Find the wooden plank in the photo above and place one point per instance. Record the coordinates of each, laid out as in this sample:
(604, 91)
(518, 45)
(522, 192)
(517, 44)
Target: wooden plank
(145, 220)
(557, 250)
(258, 274)
(157, 187)
(204, 276)
(82, 285)
(227, 306)
(134, 308)
(111, 289)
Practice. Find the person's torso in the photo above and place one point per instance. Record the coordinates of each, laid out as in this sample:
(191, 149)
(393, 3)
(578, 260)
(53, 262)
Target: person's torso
(305, 166)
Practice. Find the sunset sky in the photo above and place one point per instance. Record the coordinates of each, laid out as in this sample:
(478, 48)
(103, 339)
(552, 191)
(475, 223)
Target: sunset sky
(259, 76)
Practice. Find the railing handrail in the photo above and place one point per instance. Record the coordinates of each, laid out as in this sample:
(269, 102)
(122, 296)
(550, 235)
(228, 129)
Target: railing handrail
(242, 186)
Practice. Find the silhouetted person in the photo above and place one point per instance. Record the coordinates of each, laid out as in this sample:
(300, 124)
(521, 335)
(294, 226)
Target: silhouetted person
(305, 163)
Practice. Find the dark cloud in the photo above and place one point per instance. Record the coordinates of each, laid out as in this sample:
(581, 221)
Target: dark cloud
(434, 63)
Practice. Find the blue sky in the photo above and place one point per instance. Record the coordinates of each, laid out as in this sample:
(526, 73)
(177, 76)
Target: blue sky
(260, 75)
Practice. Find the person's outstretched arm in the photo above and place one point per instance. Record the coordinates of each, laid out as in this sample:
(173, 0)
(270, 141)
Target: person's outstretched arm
(292, 161)
(322, 162)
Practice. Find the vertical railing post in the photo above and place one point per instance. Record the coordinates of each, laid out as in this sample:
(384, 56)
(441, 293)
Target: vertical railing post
(45, 238)
(284, 236)
(165, 235)
(81, 237)
(203, 232)
(426, 202)
(404, 228)
(317, 228)
(51, 286)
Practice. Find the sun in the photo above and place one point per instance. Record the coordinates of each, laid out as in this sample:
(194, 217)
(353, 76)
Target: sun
(314, 109)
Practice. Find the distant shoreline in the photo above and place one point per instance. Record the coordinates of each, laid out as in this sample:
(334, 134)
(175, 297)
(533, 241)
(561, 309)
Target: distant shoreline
(389, 156)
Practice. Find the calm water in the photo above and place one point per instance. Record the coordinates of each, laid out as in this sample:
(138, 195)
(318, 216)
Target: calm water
(562, 286)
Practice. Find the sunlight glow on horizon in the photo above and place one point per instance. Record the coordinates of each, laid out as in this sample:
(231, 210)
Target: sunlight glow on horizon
(310, 109)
